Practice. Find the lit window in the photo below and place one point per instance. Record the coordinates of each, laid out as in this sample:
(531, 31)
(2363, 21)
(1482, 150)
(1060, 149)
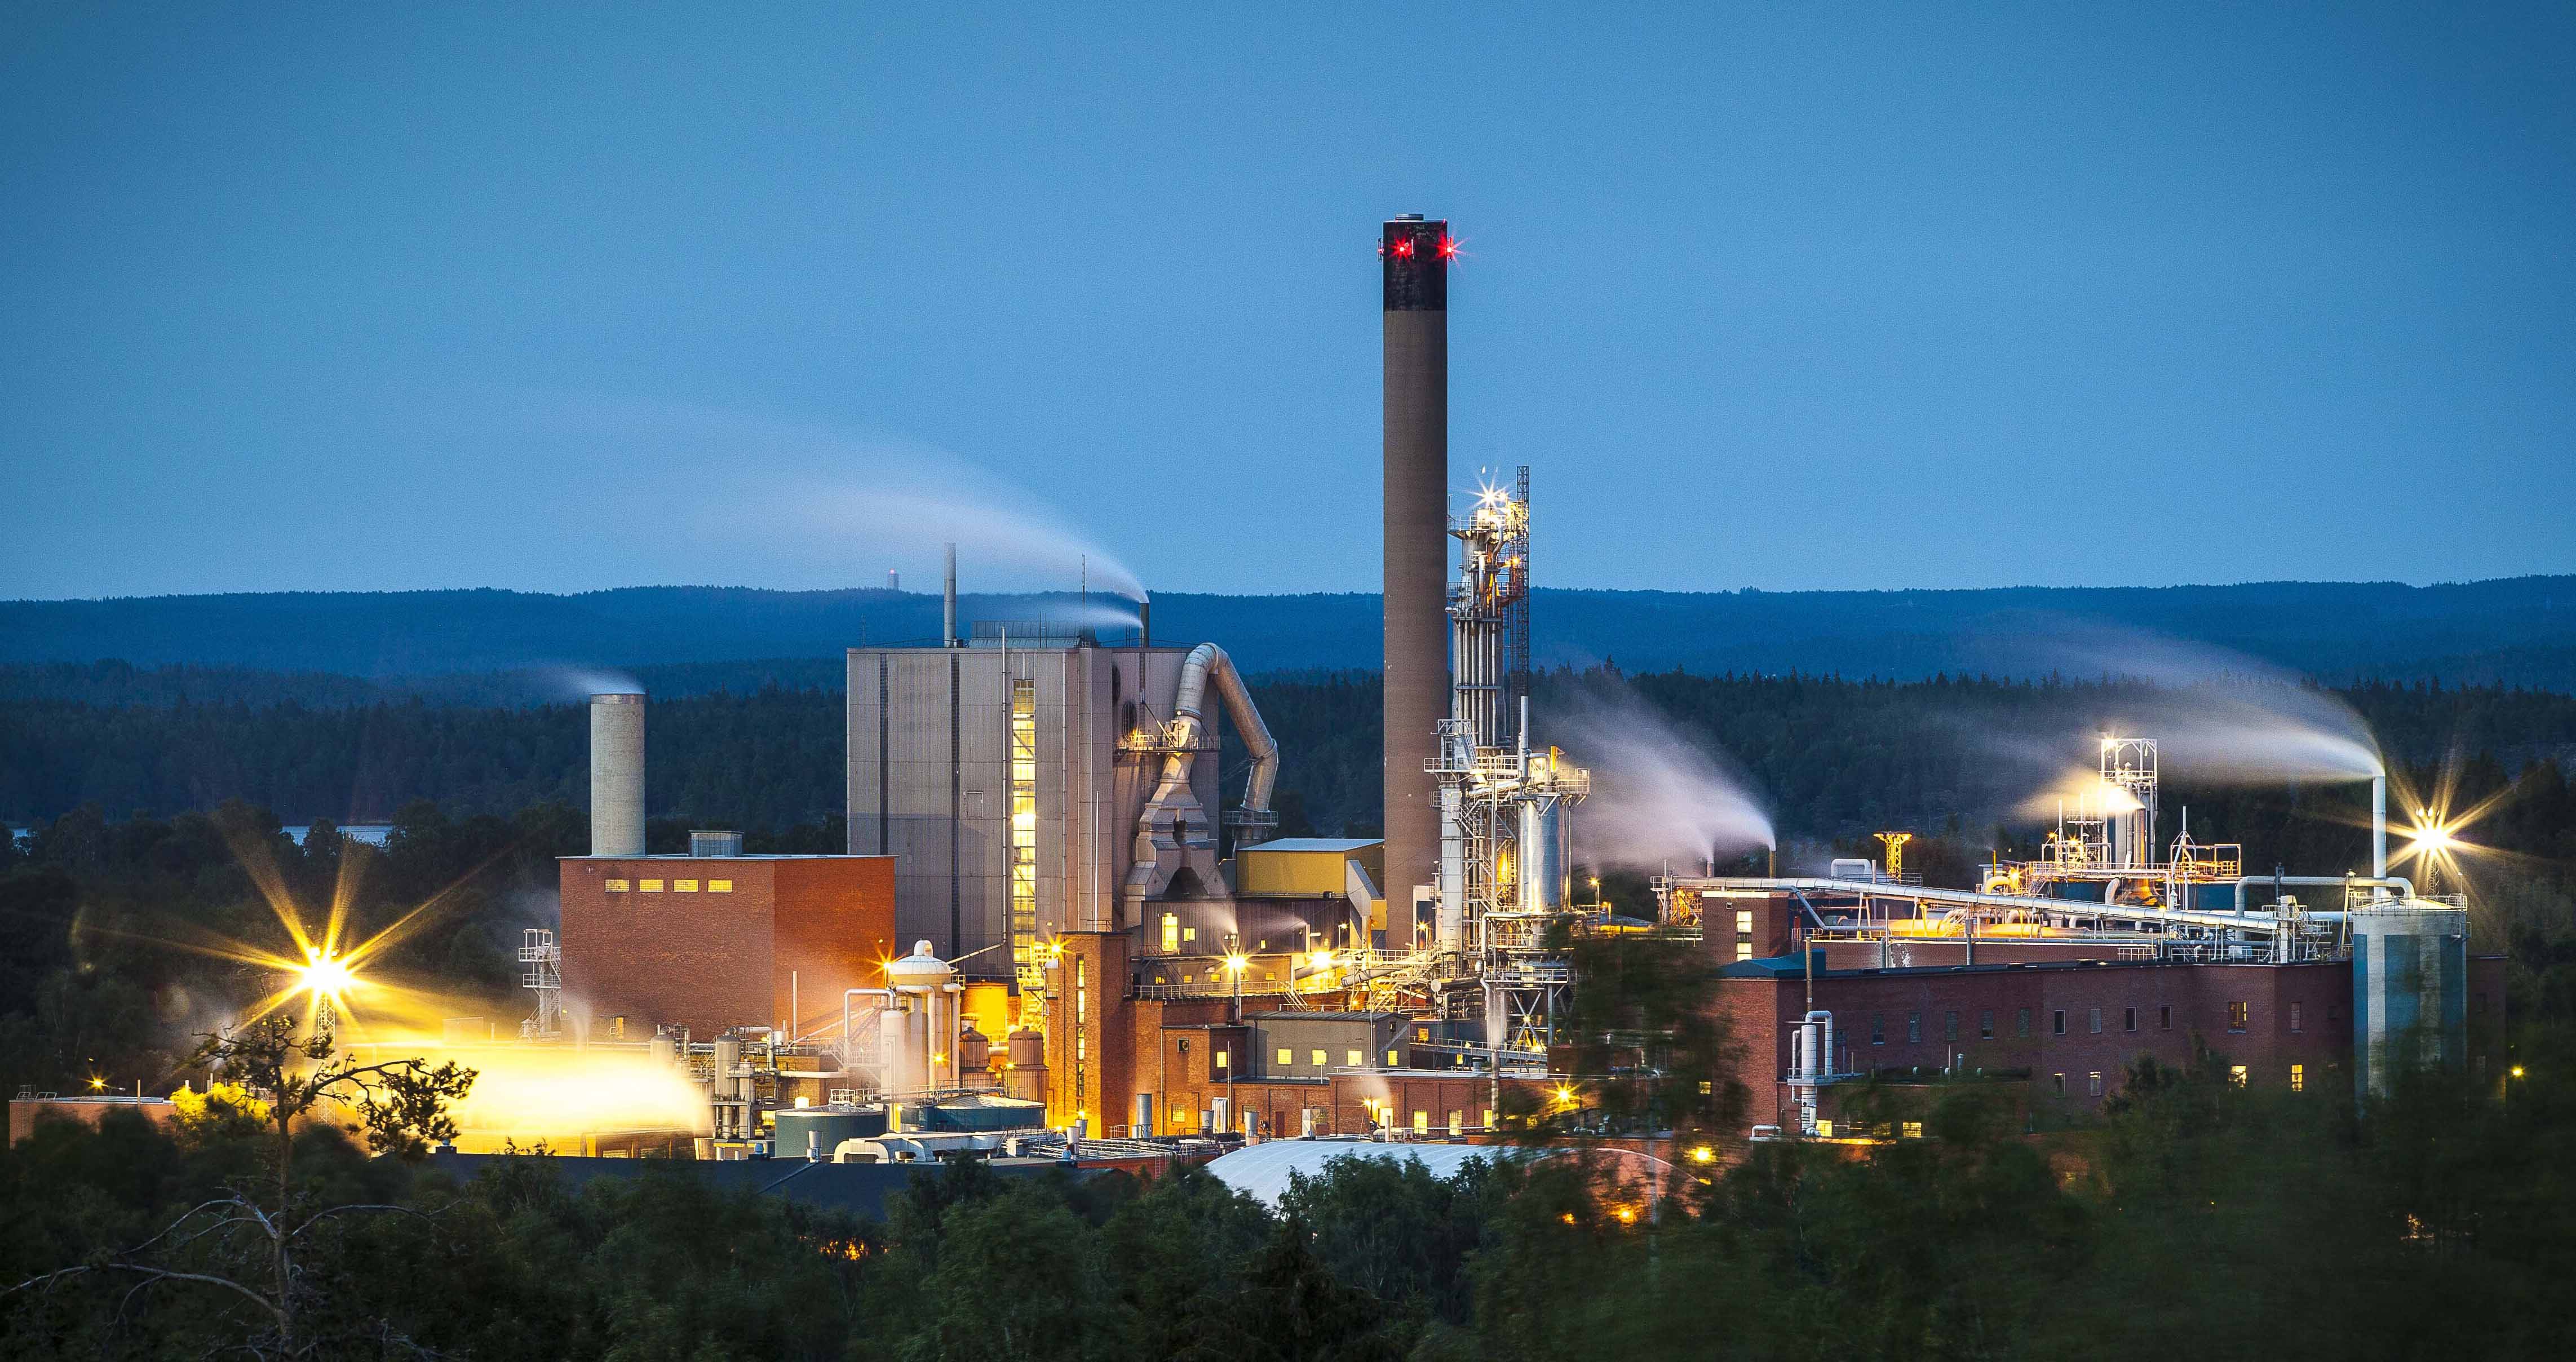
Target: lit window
(1171, 934)
(1913, 1129)
(2093, 1083)
(1489, 1118)
(1457, 1123)
(2237, 1015)
(649, 886)
(1743, 950)
(2296, 1015)
(1189, 933)
(1390, 1059)
(1825, 1129)
(1225, 1059)
(2236, 1074)
(719, 886)
(615, 886)
(1422, 1123)
(2298, 1078)
(1744, 922)
(1320, 1061)
(1351, 1058)
(1287, 1056)
(1706, 1087)
(684, 886)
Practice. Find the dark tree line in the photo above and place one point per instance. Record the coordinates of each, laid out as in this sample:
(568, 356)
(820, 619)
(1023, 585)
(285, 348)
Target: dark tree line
(1832, 758)
(2198, 1219)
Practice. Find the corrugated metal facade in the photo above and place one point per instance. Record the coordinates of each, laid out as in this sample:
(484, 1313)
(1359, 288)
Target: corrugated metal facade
(930, 783)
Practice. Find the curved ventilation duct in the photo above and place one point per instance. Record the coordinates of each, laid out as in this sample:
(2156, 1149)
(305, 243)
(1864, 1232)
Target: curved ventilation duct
(1163, 825)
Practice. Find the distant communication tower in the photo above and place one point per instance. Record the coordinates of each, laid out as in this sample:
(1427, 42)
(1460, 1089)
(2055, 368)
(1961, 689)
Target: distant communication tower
(544, 977)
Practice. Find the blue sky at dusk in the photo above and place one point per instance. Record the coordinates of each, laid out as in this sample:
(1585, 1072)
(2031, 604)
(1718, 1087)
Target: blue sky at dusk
(557, 298)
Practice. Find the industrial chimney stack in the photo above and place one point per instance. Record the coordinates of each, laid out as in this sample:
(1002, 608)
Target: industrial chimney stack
(617, 775)
(1414, 260)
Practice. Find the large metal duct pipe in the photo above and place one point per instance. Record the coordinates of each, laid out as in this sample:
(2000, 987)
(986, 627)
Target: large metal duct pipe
(1207, 664)
(1415, 269)
(617, 775)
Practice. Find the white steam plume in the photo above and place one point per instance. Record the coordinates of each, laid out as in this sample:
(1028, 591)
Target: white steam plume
(580, 683)
(1100, 612)
(1657, 794)
(2217, 716)
(797, 505)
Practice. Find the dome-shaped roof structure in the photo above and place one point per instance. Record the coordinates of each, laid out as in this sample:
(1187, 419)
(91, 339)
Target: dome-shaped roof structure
(921, 969)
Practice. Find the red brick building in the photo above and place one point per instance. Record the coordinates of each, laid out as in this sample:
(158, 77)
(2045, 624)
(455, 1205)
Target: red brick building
(713, 942)
(2068, 1028)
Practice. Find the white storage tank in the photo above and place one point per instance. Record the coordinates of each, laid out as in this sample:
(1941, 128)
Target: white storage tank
(2410, 990)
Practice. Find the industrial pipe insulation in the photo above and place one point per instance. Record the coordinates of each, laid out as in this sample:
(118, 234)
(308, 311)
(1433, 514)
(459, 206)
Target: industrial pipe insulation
(1207, 663)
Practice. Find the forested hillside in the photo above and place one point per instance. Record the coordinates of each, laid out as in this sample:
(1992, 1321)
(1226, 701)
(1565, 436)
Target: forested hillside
(1826, 758)
(2520, 631)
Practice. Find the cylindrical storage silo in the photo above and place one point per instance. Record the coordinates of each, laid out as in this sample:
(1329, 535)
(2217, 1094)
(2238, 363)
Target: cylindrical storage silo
(617, 775)
(1544, 874)
(1026, 1077)
(2410, 990)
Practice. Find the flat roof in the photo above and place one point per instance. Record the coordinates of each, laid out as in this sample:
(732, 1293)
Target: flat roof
(1344, 844)
(682, 856)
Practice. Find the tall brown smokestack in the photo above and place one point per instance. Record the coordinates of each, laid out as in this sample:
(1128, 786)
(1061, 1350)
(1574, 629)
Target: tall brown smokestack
(1415, 260)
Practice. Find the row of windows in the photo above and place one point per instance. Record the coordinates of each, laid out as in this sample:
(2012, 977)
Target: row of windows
(1288, 1058)
(2236, 1074)
(2238, 1014)
(1912, 1130)
(656, 886)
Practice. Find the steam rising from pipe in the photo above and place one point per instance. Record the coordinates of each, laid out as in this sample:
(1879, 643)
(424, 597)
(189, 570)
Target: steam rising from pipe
(799, 505)
(1658, 794)
(581, 683)
(2219, 717)
(1099, 613)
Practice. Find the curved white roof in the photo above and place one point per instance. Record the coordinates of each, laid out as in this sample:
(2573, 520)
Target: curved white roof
(1261, 1170)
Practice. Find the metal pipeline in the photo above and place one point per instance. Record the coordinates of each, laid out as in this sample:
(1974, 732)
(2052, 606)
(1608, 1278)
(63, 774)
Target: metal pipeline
(2377, 881)
(2240, 919)
(2379, 827)
(1206, 663)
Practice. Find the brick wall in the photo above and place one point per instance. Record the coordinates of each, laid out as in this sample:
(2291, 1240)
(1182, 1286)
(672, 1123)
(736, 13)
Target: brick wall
(708, 961)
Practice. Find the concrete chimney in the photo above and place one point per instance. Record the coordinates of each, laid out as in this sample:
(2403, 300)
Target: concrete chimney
(1414, 261)
(948, 603)
(617, 775)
